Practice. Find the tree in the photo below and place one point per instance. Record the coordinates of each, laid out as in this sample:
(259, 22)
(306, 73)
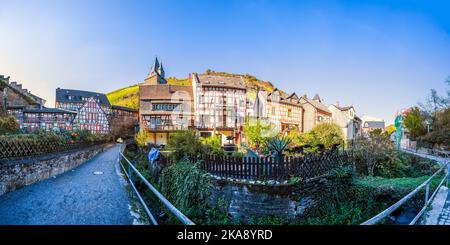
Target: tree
(441, 129)
(328, 134)
(435, 103)
(141, 138)
(435, 110)
(372, 151)
(389, 130)
(257, 133)
(414, 122)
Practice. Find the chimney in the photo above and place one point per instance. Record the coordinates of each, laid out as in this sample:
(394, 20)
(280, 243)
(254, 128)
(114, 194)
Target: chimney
(337, 103)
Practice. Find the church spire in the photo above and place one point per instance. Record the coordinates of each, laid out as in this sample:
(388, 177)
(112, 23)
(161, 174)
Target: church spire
(156, 75)
(156, 65)
(161, 70)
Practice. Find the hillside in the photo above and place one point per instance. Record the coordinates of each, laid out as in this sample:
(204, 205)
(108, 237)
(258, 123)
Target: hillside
(129, 96)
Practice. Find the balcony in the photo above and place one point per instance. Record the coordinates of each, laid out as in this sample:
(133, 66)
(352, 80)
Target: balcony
(166, 128)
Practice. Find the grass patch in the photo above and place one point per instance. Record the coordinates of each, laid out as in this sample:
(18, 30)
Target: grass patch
(398, 183)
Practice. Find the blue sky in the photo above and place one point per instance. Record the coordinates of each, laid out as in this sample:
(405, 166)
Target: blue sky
(380, 56)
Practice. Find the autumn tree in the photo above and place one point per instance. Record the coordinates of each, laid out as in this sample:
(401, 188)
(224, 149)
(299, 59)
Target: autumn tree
(372, 151)
(141, 138)
(415, 123)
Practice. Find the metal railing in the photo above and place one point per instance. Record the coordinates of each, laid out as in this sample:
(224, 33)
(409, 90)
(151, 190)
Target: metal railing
(432, 152)
(377, 218)
(180, 216)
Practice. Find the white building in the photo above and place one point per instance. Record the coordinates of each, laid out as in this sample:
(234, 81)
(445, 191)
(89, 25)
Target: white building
(370, 123)
(346, 118)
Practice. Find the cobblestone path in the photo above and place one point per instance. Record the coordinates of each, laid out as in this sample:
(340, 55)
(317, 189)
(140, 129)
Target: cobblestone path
(91, 194)
(444, 217)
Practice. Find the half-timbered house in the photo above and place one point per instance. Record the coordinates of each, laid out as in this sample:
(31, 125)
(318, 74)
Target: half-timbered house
(164, 108)
(285, 112)
(91, 116)
(219, 105)
(14, 99)
(92, 109)
(47, 119)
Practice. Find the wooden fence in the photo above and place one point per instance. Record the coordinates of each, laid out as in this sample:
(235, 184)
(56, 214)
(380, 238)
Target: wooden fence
(24, 148)
(271, 168)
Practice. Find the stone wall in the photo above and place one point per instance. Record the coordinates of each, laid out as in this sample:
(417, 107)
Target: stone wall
(287, 201)
(123, 125)
(15, 174)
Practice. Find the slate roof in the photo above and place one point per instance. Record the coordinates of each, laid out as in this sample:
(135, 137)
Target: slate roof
(293, 95)
(317, 97)
(124, 108)
(221, 81)
(373, 124)
(344, 108)
(317, 105)
(162, 91)
(62, 95)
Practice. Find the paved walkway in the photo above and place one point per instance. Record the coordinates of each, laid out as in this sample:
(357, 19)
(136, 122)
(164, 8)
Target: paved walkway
(440, 212)
(77, 197)
(444, 216)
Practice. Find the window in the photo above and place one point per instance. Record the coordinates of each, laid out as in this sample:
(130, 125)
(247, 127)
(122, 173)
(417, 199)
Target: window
(273, 110)
(289, 112)
(165, 107)
(205, 134)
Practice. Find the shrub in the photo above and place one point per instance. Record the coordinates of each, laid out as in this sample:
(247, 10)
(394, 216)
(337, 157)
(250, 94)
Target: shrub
(212, 145)
(377, 156)
(278, 144)
(8, 124)
(99, 138)
(326, 134)
(184, 144)
(187, 186)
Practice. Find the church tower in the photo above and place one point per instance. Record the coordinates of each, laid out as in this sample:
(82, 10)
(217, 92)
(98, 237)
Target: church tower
(156, 75)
